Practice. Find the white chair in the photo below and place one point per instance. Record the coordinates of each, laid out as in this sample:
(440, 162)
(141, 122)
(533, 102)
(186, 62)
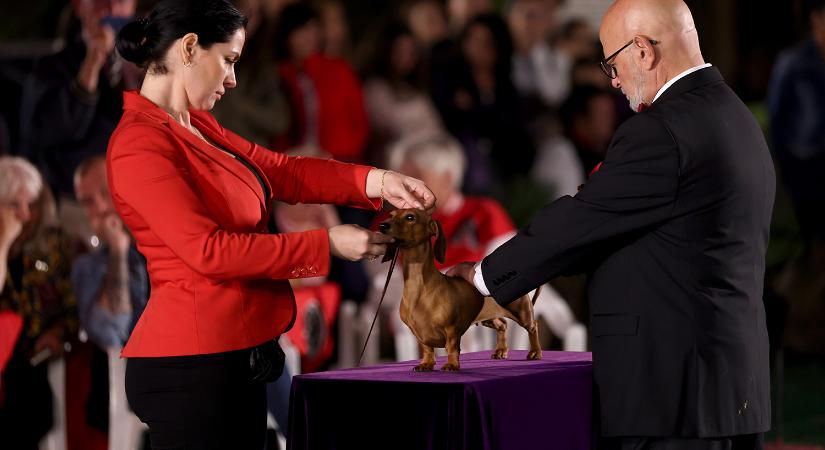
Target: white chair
(348, 335)
(292, 360)
(551, 308)
(125, 429)
(56, 438)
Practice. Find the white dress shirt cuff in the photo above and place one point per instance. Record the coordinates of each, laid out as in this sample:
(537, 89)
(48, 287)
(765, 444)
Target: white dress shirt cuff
(478, 280)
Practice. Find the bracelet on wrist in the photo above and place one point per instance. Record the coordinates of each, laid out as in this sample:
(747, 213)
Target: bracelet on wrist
(382, 186)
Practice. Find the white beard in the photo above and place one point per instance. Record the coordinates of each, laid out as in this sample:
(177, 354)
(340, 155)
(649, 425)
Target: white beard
(636, 99)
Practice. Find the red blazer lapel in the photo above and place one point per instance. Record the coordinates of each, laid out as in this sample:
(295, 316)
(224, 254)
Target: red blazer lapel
(226, 161)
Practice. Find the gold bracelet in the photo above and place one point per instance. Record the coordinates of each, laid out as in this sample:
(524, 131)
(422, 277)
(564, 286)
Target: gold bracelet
(382, 186)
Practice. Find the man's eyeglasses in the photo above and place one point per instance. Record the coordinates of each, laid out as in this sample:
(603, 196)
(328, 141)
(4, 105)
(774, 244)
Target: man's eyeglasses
(609, 68)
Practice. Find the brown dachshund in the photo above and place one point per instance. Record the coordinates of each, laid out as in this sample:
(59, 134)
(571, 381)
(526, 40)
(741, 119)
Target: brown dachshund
(439, 309)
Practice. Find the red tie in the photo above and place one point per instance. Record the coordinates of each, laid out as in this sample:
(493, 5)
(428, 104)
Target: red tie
(597, 168)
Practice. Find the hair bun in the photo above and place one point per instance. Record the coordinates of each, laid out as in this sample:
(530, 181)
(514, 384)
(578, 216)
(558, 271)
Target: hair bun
(131, 42)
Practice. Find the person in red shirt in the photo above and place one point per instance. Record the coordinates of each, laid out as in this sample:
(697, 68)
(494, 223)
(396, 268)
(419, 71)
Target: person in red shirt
(473, 226)
(328, 113)
(196, 197)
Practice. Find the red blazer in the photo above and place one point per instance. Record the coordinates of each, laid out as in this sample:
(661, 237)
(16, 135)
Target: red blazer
(219, 280)
(343, 127)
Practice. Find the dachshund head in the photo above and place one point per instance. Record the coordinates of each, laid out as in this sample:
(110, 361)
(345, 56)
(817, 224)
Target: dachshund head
(411, 227)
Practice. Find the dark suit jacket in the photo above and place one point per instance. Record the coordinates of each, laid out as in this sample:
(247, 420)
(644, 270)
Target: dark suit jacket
(672, 232)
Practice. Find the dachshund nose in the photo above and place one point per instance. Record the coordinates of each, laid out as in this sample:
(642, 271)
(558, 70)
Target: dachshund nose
(384, 227)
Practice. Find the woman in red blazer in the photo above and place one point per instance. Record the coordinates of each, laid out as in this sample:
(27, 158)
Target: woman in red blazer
(196, 198)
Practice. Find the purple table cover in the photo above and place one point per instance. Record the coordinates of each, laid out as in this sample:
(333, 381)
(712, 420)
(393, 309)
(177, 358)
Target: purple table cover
(489, 404)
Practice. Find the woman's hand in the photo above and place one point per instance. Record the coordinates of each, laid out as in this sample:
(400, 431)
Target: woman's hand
(353, 243)
(10, 226)
(400, 190)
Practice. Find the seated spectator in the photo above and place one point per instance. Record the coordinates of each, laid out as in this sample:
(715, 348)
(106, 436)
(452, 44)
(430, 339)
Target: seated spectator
(480, 106)
(578, 40)
(473, 227)
(335, 39)
(110, 282)
(325, 98)
(73, 99)
(38, 290)
(256, 108)
(589, 120)
(461, 12)
(539, 70)
(396, 101)
(427, 21)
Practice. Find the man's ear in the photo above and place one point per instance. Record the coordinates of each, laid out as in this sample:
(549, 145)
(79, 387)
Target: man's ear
(646, 52)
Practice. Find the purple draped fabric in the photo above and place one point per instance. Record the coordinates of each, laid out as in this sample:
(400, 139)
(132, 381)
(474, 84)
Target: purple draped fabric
(488, 404)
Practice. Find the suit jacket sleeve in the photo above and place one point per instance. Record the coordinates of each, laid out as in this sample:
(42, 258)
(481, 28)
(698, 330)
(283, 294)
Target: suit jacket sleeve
(633, 192)
(147, 173)
(309, 180)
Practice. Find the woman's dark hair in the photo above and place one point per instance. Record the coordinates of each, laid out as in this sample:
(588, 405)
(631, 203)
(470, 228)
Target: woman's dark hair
(146, 41)
(502, 40)
(380, 63)
(292, 17)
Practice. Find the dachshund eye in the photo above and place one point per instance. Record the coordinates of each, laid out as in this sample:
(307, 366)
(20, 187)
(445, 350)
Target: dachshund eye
(410, 217)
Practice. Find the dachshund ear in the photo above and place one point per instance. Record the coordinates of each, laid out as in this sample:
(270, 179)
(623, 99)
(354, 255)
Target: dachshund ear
(440, 240)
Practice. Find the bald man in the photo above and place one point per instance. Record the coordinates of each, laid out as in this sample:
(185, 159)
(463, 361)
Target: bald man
(672, 232)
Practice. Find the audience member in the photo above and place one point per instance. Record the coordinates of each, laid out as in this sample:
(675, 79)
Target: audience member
(460, 12)
(335, 34)
(327, 105)
(577, 39)
(73, 99)
(110, 282)
(427, 20)
(539, 70)
(796, 103)
(38, 289)
(257, 108)
(396, 101)
(589, 120)
(480, 106)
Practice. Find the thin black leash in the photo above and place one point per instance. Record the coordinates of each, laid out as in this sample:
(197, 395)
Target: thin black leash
(386, 285)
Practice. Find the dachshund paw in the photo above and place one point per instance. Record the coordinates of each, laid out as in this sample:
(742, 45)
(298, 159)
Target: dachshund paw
(424, 367)
(499, 353)
(449, 367)
(534, 355)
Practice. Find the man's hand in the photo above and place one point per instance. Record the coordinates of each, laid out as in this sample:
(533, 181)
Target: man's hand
(464, 270)
(100, 43)
(112, 233)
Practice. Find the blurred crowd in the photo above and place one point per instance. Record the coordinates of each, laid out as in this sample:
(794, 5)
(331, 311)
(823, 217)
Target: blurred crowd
(500, 108)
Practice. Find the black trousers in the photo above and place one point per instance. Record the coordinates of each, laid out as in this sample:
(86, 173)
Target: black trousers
(743, 442)
(198, 402)
(26, 414)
